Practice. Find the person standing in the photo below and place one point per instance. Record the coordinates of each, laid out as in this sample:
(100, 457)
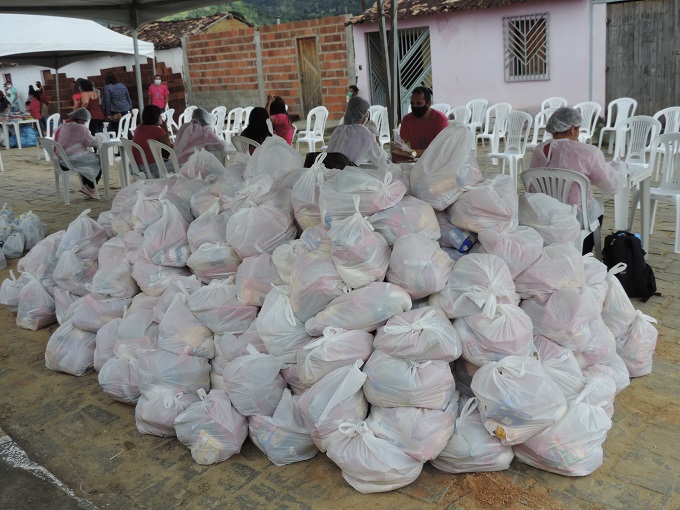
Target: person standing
(12, 97)
(276, 107)
(116, 101)
(89, 100)
(423, 124)
(159, 95)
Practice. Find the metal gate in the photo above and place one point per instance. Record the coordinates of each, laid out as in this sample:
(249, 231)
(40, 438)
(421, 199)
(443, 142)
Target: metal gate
(310, 74)
(643, 56)
(415, 65)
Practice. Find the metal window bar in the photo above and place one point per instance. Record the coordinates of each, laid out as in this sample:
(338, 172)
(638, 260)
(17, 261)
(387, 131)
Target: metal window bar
(526, 47)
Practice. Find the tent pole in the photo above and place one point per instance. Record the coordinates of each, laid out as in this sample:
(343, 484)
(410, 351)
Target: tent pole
(138, 71)
(58, 95)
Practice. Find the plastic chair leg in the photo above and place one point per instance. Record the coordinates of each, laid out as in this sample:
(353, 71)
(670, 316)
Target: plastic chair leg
(66, 185)
(56, 185)
(677, 225)
(2, 167)
(653, 216)
(105, 175)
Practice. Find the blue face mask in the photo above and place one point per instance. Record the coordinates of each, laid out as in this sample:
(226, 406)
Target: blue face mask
(350, 94)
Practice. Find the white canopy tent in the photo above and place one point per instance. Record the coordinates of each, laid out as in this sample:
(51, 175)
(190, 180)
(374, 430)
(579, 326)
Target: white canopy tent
(129, 13)
(56, 42)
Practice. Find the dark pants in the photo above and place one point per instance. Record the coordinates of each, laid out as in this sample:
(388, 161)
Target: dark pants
(96, 126)
(85, 180)
(113, 126)
(589, 242)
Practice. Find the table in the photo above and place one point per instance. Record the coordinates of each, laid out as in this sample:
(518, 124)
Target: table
(623, 215)
(17, 125)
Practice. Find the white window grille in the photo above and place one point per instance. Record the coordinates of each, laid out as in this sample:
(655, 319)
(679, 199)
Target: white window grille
(526, 47)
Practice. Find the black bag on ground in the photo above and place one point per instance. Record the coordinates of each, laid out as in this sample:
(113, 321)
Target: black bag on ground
(333, 160)
(638, 278)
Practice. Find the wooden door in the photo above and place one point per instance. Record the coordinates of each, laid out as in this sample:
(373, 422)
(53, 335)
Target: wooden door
(310, 74)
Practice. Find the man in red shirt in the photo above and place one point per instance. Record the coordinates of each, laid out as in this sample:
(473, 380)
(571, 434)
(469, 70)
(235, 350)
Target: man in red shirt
(159, 93)
(423, 124)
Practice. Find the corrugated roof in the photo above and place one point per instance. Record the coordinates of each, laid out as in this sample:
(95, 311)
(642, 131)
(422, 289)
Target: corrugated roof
(415, 8)
(168, 34)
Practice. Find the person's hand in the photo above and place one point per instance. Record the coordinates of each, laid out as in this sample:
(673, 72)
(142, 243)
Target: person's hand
(271, 97)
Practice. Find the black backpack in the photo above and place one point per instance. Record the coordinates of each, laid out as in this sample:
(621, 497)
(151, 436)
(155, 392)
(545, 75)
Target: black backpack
(638, 278)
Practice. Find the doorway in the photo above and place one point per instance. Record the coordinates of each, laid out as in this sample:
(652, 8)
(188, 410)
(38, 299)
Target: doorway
(310, 73)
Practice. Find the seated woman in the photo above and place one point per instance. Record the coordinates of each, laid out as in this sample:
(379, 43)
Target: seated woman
(75, 138)
(565, 151)
(196, 135)
(259, 126)
(355, 139)
(283, 127)
(150, 129)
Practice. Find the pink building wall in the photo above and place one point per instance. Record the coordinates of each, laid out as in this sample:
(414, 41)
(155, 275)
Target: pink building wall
(467, 54)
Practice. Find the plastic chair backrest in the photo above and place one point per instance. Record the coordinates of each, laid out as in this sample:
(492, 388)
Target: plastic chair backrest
(243, 144)
(625, 108)
(56, 153)
(441, 107)
(128, 146)
(157, 149)
(167, 116)
(133, 120)
(517, 129)
(478, 109)
(375, 111)
(461, 114)
(671, 117)
(554, 102)
(245, 117)
(637, 133)
(557, 182)
(233, 121)
(494, 118)
(320, 114)
(124, 126)
(590, 111)
(220, 113)
(52, 124)
(185, 116)
(665, 153)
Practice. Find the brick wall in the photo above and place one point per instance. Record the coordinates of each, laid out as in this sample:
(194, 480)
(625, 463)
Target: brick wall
(222, 66)
(172, 80)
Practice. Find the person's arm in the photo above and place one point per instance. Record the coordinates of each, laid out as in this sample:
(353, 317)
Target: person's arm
(88, 139)
(106, 101)
(84, 99)
(167, 96)
(76, 101)
(127, 96)
(607, 178)
(165, 138)
(270, 100)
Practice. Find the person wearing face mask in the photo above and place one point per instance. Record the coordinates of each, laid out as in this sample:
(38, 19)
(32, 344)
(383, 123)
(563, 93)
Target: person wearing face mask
(356, 138)
(13, 97)
(149, 129)
(159, 93)
(423, 124)
(352, 91)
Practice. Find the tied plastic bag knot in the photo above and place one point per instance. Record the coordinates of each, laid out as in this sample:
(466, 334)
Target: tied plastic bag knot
(170, 399)
(204, 398)
(501, 368)
(420, 364)
(487, 298)
(350, 429)
(618, 268)
(330, 332)
(319, 166)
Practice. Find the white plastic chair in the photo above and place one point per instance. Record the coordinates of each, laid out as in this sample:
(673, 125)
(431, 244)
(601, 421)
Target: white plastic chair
(2, 167)
(461, 114)
(540, 123)
(478, 109)
(168, 118)
(58, 156)
(671, 117)
(245, 117)
(378, 114)
(128, 145)
(632, 139)
(243, 144)
(441, 107)
(493, 124)
(554, 102)
(123, 129)
(220, 113)
(133, 120)
(664, 153)
(517, 130)
(625, 108)
(316, 125)
(185, 116)
(157, 149)
(590, 111)
(557, 182)
(51, 125)
(232, 125)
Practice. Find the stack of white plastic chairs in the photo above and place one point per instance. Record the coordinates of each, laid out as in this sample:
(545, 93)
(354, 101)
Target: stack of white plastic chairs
(386, 317)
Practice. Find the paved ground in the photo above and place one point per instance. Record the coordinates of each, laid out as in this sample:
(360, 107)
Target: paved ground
(90, 443)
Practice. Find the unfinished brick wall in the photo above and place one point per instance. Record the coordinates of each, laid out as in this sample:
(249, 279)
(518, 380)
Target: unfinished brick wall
(223, 65)
(172, 80)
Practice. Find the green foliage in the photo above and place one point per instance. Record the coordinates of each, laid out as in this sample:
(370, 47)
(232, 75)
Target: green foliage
(264, 12)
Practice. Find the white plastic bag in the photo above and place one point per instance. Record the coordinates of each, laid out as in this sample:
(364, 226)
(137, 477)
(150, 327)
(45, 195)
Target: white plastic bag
(73, 273)
(156, 412)
(165, 241)
(485, 205)
(596, 278)
(420, 433)
(32, 229)
(254, 383)
(104, 342)
(637, 346)
(305, 193)
(366, 308)
(615, 368)
(554, 221)
(217, 307)
(618, 312)
(370, 464)
(419, 266)
(211, 428)
(63, 300)
(394, 382)
(518, 246)
(360, 255)
(336, 398)
(409, 216)
(161, 371)
(13, 247)
(70, 350)
(42, 254)
(154, 279)
(91, 314)
(559, 266)
(446, 166)
(10, 289)
(183, 284)
(517, 399)
(336, 348)
(260, 227)
(284, 257)
(209, 227)
(419, 334)
(180, 332)
(561, 365)
(262, 190)
(35, 307)
(255, 277)
(85, 233)
(214, 261)
(274, 157)
(284, 437)
(471, 449)
(114, 282)
(202, 164)
(118, 379)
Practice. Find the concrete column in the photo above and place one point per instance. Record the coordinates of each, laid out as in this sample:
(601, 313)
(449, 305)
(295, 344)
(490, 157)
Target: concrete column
(260, 71)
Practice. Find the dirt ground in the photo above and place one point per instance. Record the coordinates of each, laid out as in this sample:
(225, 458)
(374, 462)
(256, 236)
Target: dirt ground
(91, 443)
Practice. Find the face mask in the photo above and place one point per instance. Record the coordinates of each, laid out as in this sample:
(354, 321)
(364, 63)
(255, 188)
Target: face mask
(419, 111)
(350, 94)
(157, 82)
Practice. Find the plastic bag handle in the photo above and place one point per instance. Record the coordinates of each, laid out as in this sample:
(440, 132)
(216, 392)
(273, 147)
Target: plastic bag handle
(648, 318)
(618, 268)
(500, 366)
(420, 364)
(170, 398)
(467, 410)
(11, 272)
(330, 331)
(86, 212)
(252, 350)
(161, 197)
(417, 325)
(350, 429)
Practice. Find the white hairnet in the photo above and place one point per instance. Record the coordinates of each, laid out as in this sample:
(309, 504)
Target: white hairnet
(80, 114)
(203, 117)
(563, 119)
(357, 108)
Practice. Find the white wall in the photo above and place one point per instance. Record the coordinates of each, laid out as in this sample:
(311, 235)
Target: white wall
(467, 54)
